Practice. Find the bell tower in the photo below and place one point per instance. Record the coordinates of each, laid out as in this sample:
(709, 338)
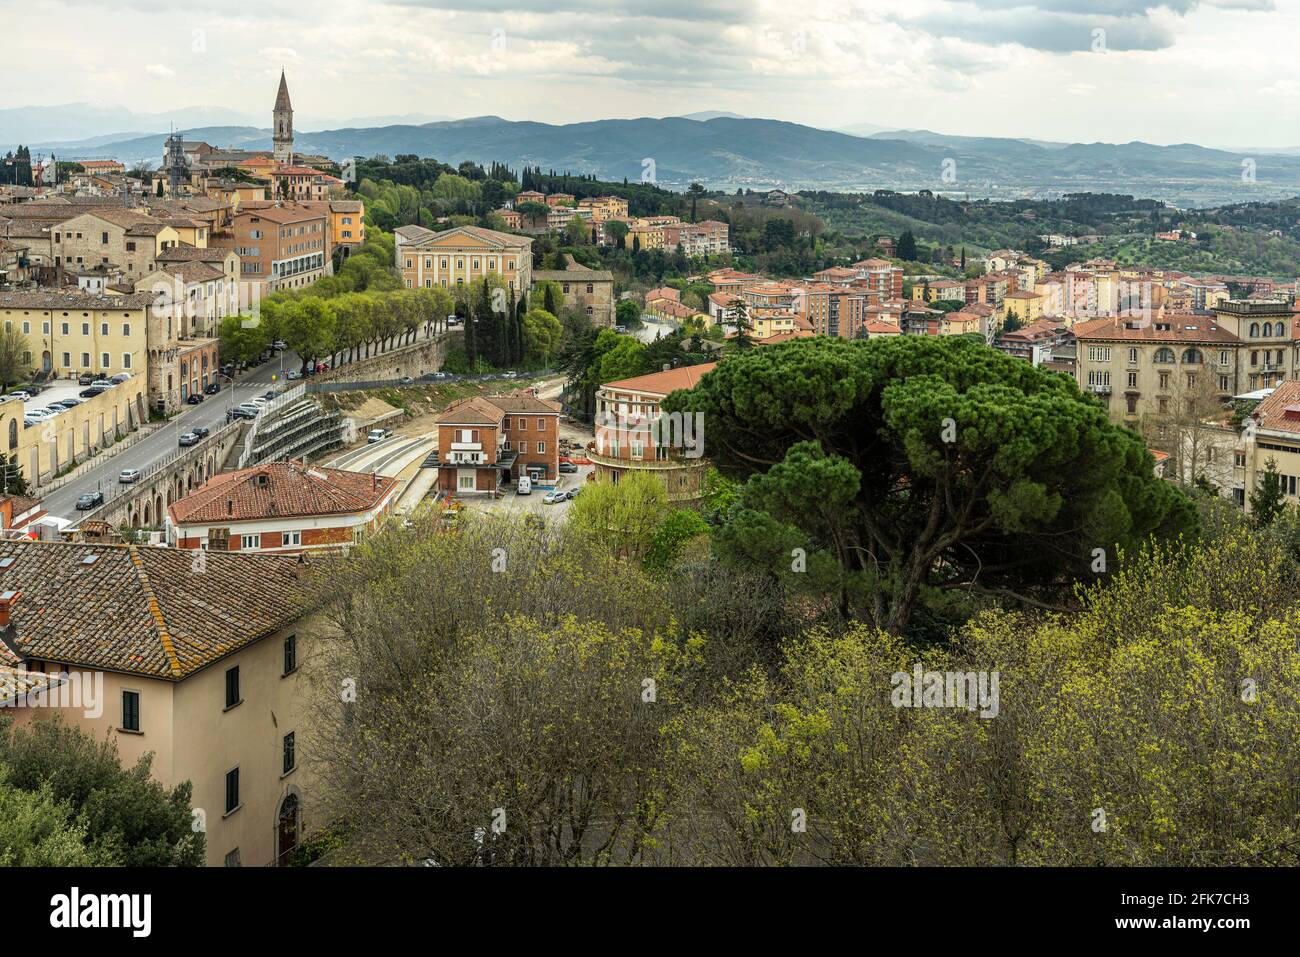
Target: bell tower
(282, 125)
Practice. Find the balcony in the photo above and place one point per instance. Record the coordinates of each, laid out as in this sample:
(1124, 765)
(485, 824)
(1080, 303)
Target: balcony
(1099, 389)
(614, 461)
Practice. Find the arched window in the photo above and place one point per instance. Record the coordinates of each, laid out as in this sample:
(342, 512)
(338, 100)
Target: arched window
(1268, 329)
(1254, 330)
(1164, 355)
(13, 434)
(1192, 356)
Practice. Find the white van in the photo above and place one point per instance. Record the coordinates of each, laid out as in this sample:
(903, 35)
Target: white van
(525, 486)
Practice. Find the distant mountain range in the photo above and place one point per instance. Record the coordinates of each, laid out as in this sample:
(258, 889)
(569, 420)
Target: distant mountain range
(728, 152)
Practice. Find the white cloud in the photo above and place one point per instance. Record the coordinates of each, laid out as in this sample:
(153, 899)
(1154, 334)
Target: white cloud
(979, 67)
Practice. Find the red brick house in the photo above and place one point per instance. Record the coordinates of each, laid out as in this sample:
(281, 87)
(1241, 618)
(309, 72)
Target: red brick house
(281, 507)
(486, 441)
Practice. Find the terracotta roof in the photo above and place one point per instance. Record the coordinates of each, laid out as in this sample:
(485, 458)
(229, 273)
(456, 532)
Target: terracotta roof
(193, 254)
(140, 609)
(1272, 412)
(280, 490)
(662, 383)
(1180, 329)
(474, 411)
(71, 300)
(281, 214)
(530, 405)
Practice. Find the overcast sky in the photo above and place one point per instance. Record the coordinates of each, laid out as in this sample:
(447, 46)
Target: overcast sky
(1216, 72)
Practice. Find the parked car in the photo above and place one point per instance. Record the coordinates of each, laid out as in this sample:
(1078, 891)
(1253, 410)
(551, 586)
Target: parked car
(550, 498)
(70, 403)
(407, 380)
(573, 493)
(270, 396)
(249, 410)
(37, 415)
(55, 409)
(213, 388)
(510, 375)
(568, 467)
(293, 374)
(127, 476)
(120, 377)
(93, 391)
(20, 395)
(85, 378)
(524, 486)
(89, 500)
(103, 383)
(439, 375)
(188, 439)
(195, 398)
(202, 431)
(378, 435)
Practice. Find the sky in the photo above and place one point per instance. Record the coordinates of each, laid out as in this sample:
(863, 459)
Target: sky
(1214, 72)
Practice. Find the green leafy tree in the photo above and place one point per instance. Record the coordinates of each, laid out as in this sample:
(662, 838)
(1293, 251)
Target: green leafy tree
(625, 514)
(907, 246)
(13, 348)
(129, 818)
(628, 314)
(914, 466)
(1267, 500)
(541, 335)
(679, 528)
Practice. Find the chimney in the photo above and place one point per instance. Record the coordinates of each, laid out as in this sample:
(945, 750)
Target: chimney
(8, 599)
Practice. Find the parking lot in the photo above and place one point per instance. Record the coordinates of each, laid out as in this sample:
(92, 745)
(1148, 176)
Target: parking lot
(510, 502)
(55, 391)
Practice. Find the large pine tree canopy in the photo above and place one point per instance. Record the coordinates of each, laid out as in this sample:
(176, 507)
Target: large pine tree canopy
(907, 466)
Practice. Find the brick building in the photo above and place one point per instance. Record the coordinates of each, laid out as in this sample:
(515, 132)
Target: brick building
(486, 441)
(281, 507)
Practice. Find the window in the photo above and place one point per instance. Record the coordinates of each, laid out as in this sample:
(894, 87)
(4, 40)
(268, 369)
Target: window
(232, 858)
(85, 360)
(126, 328)
(523, 424)
(1164, 355)
(1098, 353)
(130, 711)
(290, 653)
(64, 329)
(249, 541)
(541, 448)
(85, 328)
(232, 790)
(523, 448)
(103, 328)
(290, 538)
(1132, 380)
(288, 753)
(1192, 356)
(126, 360)
(67, 359)
(1223, 383)
(104, 362)
(541, 425)
(232, 686)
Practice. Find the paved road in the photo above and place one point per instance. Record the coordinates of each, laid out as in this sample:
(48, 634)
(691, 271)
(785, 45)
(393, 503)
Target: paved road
(163, 442)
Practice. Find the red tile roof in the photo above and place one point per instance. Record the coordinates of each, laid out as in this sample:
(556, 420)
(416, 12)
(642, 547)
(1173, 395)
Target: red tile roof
(280, 490)
(662, 383)
(142, 610)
